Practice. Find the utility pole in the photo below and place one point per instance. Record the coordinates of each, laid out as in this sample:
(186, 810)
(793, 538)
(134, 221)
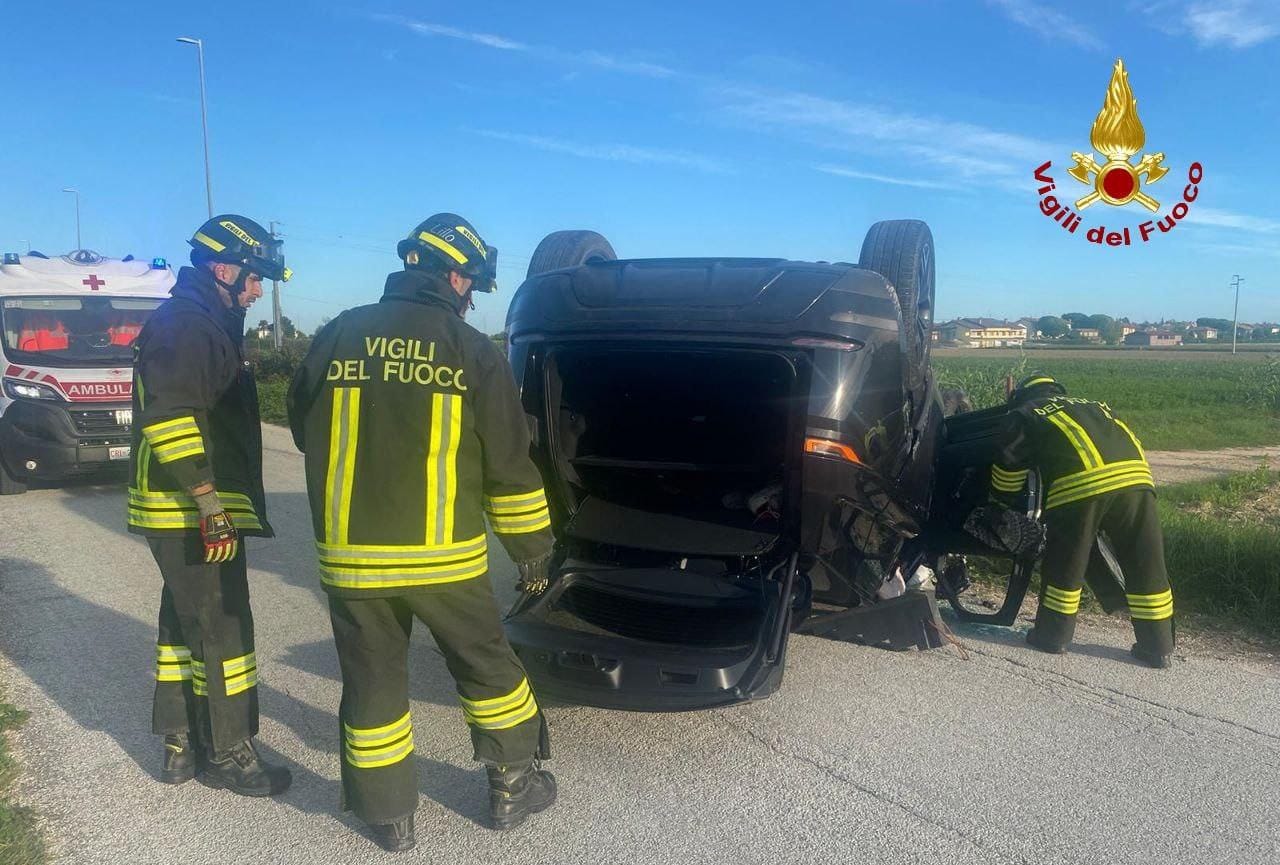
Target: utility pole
(277, 333)
(204, 121)
(76, 193)
(1235, 324)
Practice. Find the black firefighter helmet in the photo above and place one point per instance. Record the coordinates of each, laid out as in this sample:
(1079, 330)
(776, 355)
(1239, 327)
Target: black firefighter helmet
(447, 242)
(1037, 385)
(234, 239)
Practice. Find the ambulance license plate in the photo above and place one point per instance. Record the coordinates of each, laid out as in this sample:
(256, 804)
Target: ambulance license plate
(120, 453)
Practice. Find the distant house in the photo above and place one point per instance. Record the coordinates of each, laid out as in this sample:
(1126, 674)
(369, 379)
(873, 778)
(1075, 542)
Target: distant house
(1089, 333)
(263, 331)
(1205, 333)
(984, 333)
(1126, 329)
(1154, 338)
(1033, 332)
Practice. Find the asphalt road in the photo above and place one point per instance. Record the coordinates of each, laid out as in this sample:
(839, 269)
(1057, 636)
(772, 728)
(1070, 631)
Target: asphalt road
(1006, 756)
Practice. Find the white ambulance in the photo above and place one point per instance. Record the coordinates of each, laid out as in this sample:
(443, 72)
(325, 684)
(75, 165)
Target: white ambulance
(68, 325)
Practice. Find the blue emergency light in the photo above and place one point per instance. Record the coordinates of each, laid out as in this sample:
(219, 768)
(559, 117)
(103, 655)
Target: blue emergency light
(12, 258)
(159, 264)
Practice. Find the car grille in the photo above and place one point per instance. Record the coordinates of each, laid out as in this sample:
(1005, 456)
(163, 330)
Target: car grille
(99, 422)
(660, 621)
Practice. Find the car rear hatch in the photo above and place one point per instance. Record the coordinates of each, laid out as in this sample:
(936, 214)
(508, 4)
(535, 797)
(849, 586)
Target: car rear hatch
(676, 500)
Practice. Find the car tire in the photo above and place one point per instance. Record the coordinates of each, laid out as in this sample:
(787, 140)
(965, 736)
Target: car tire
(10, 485)
(569, 249)
(901, 250)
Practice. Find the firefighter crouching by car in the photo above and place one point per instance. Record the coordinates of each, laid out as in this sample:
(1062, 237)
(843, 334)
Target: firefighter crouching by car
(413, 430)
(196, 488)
(1097, 478)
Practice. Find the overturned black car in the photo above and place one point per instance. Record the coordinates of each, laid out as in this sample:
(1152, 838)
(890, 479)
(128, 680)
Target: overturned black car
(735, 449)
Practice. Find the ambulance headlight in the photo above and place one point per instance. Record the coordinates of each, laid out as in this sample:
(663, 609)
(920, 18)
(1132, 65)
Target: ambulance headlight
(159, 264)
(12, 258)
(29, 390)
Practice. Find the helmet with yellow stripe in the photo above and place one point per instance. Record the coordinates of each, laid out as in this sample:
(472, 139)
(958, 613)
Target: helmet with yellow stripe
(234, 239)
(446, 242)
(1037, 385)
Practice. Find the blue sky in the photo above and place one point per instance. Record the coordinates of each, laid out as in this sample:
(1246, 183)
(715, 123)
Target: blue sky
(712, 128)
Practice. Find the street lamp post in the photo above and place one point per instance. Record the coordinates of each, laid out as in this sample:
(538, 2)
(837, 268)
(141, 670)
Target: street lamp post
(277, 335)
(76, 193)
(204, 121)
(1235, 324)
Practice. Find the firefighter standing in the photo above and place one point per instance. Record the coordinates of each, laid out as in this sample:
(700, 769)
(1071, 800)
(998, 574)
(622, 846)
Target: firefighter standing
(196, 488)
(413, 430)
(1097, 478)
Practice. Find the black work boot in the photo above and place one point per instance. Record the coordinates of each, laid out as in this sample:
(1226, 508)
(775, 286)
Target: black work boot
(1152, 657)
(515, 792)
(1037, 640)
(395, 837)
(242, 771)
(1052, 632)
(179, 759)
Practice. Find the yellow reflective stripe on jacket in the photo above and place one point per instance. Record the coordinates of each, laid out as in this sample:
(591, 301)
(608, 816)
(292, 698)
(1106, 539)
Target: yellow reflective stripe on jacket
(501, 713)
(1006, 480)
(174, 439)
(1137, 444)
(1079, 439)
(344, 439)
(240, 674)
(1065, 601)
(1151, 607)
(371, 747)
(173, 663)
(519, 513)
(1094, 482)
(443, 440)
(151, 510)
(371, 566)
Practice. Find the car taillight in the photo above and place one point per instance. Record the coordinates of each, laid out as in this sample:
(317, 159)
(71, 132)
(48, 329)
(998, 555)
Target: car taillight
(828, 448)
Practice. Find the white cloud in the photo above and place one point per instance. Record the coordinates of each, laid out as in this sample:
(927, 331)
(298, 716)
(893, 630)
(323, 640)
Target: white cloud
(977, 155)
(425, 28)
(841, 171)
(1236, 23)
(1048, 22)
(631, 67)
(1230, 219)
(610, 152)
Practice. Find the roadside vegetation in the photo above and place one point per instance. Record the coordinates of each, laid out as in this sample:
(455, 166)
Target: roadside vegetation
(20, 840)
(1188, 404)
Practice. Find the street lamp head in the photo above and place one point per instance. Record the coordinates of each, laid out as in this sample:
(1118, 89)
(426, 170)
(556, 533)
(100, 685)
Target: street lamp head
(69, 189)
(189, 40)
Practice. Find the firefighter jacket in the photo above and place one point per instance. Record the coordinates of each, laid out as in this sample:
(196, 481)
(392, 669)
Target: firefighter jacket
(413, 431)
(195, 408)
(1079, 447)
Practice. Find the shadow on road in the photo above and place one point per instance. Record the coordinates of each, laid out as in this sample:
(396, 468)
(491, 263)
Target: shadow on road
(95, 663)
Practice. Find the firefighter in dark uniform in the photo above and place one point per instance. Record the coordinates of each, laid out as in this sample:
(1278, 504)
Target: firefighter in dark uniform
(196, 488)
(413, 432)
(1097, 478)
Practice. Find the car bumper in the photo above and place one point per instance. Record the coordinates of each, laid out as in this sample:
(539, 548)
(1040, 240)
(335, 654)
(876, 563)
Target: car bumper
(45, 442)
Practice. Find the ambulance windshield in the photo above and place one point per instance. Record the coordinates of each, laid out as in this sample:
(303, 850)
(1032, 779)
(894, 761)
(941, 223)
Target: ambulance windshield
(73, 331)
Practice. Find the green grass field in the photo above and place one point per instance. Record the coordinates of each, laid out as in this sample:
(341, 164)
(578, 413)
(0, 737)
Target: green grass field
(1173, 402)
(20, 840)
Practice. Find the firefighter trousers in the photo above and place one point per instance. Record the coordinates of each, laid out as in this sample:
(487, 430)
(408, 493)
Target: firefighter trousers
(1132, 524)
(206, 672)
(379, 776)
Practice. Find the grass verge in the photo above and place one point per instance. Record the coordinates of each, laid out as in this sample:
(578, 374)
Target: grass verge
(20, 840)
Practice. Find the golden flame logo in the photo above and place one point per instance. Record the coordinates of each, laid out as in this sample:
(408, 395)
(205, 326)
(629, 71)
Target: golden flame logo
(1118, 134)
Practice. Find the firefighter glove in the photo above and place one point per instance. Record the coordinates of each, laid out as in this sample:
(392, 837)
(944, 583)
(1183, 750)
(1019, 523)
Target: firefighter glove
(221, 542)
(533, 575)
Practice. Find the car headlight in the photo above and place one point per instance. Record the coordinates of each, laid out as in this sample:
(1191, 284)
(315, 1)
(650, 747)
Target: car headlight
(29, 390)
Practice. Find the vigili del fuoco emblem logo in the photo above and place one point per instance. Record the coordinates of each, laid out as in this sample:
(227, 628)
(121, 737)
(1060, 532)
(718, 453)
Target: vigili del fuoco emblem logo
(1118, 135)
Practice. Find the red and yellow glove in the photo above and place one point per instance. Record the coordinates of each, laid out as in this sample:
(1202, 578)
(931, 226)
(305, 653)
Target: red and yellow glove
(221, 541)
